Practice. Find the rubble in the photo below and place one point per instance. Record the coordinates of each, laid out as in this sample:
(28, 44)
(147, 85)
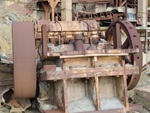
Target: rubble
(14, 105)
(19, 8)
(142, 96)
(6, 17)
(139, 93)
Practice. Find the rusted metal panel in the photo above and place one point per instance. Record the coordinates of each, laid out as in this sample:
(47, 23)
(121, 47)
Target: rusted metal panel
(19, 8)
(44, 40)
(87, 73)
(49, 67)
(94, 16)
(24, 59)
(103, 52)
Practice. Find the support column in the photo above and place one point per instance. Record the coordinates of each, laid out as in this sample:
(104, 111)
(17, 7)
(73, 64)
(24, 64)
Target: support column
(66, 10)
(142, 11)
(53, 4)
(46, 8)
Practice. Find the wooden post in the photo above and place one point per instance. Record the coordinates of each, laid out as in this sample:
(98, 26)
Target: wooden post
(116, 3)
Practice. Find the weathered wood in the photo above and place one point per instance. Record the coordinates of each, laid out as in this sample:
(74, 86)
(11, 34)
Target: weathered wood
(76, 56)
(6, 81)
(123, 3)
(6, 67)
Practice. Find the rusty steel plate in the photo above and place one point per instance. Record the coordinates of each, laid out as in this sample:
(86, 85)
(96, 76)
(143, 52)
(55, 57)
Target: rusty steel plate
(24, 59)
(16, 7)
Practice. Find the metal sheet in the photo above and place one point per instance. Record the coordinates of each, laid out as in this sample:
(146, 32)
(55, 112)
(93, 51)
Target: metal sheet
(16, 7)
(24, 59)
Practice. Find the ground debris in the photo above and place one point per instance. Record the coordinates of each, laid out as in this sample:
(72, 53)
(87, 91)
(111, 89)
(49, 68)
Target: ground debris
(141, 91)
(142, 96)
(8, 15)
(12, 105)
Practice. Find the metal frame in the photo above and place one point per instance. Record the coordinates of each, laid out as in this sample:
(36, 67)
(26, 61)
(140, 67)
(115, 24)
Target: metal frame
(96, 72)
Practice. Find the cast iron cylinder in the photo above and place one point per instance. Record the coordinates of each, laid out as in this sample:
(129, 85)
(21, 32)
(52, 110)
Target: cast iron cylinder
(78, 44)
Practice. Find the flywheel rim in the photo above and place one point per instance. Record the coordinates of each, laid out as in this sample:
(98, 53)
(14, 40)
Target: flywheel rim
(132, 41)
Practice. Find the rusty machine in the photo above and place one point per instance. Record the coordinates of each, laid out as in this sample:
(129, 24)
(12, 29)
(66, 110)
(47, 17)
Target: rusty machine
(87, 71)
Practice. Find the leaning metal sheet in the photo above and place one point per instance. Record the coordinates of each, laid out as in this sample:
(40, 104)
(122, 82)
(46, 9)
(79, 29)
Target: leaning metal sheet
(24, 59)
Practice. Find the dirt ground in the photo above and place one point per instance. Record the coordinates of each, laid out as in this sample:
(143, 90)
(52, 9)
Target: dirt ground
(144, 81)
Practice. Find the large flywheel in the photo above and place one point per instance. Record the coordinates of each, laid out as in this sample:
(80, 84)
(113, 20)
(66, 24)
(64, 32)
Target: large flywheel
(24, 59)
(122, 34)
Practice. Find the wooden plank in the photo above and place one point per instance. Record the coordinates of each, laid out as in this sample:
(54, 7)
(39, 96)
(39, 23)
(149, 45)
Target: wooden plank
(123, 3)
(6, 67)
(120, 1)
(6, 76)
(76, 56)
(6, 83)
(116, 3)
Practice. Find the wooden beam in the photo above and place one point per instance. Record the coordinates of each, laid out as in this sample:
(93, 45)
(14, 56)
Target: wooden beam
(120, 2)
(123, 3)
(116, 3)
